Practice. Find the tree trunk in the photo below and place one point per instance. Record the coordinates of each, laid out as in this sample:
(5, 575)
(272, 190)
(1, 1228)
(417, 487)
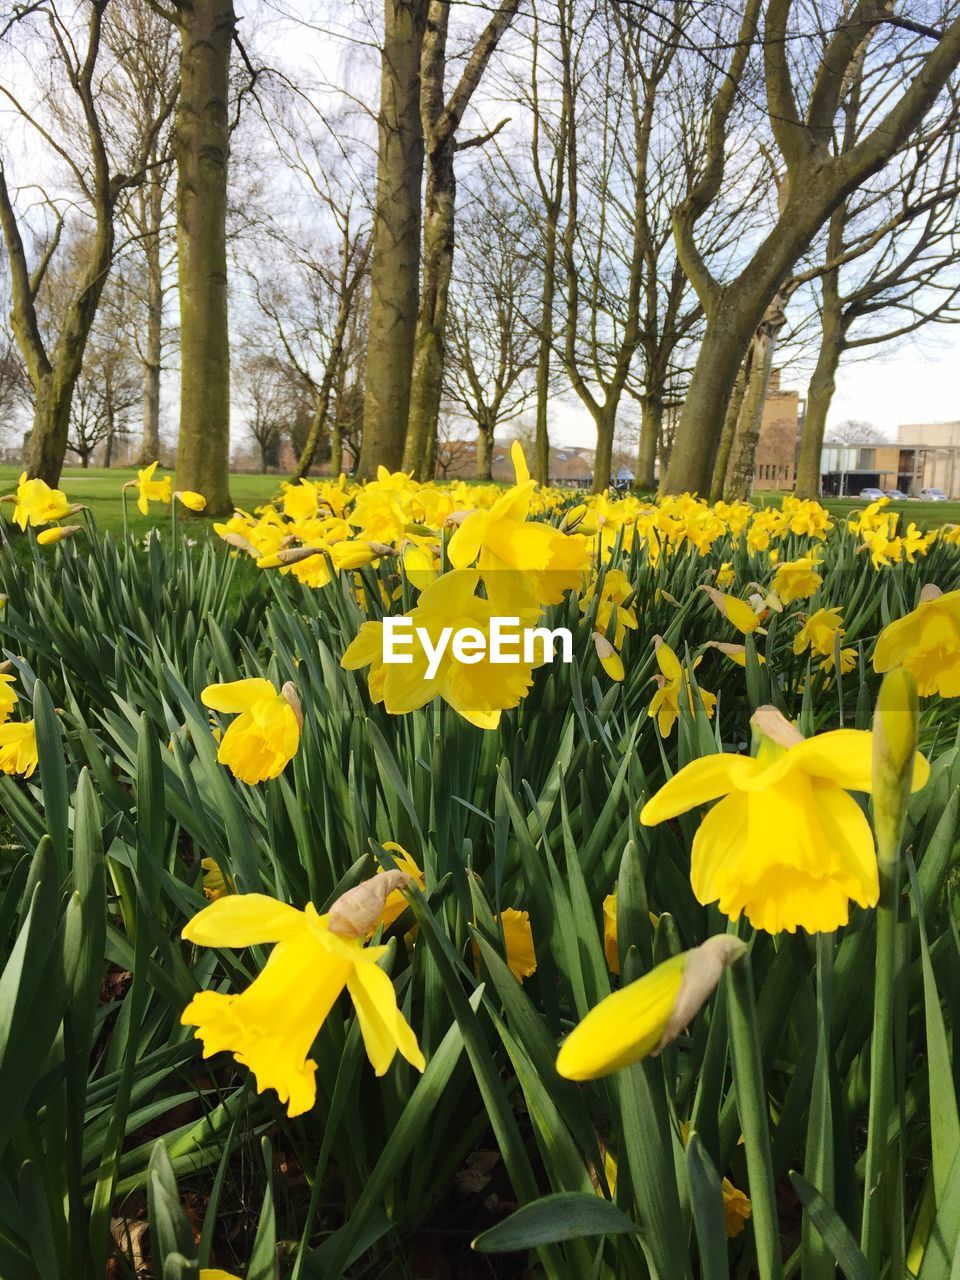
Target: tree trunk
(819, 397)
(46, 442)
(697, 439)
(111, 435)
(545, 352)
(605, 421)
(743, 464)
(485, 436)
(429, 346)
(202, 146)
(395, 268)
(153, 339)
(727, 435)
(651, 424)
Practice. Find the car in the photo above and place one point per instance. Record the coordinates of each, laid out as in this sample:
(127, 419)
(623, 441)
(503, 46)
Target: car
(933, 495)
(872, 495)
(896, 495)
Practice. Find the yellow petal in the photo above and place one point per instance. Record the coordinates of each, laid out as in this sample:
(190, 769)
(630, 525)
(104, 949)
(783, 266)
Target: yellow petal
(384, 1029)
(697, 783)
(243, 920)
(237, 695)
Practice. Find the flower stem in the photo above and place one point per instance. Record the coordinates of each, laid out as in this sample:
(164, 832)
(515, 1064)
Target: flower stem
(752, 1106)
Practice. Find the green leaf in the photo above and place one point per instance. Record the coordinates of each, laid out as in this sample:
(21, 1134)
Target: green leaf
(834, 1231)
(706, 1197)
(567, 1215)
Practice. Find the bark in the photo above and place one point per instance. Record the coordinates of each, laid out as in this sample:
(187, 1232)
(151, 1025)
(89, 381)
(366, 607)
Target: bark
(440, 123)
(485, 435)
(542, 441)
(606, 421)
(819, 397)
(395, 268)
(202, 150)
(744, 453)
(731, 418)
(152, 356)
(430, 343)
(651, 425)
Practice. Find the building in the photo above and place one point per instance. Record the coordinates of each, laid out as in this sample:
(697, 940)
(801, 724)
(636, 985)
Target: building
(926, 455)
(776, 462)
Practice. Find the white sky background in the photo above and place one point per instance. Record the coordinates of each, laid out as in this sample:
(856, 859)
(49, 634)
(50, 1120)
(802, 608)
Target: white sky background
(914, 381)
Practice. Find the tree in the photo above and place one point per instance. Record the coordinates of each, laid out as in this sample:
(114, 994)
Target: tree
(813, 183)
(69, 117)
(202, 148)
(395, 262)
(492, 344)
(270, 392)
(145, 44)
(441, 118)
(893, 267)
(854, 431)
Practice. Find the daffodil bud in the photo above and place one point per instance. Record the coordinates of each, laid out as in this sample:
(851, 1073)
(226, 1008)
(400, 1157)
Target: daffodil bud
(57, 533)
(769, 723)
(610, 660)
(356, 913)
(240, 543)
(289, 692)
(894, 753)
(191, 500)
(573, 518)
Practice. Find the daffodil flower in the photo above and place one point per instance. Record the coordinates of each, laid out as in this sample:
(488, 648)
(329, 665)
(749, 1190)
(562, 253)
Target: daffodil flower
(18, 747)
(35, 503)
(644, 1017)
(797, 579)
(925, 642)
(739, 612)
(271, 1026)
(673, 683)
(786, 845)
(150, 490)
(189, 499)
(266, 734)
(8, 695)
(479, 691)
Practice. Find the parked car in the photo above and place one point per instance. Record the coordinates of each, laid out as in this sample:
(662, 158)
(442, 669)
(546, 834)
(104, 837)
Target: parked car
(871, 495)
(896, 495)
(933, 495)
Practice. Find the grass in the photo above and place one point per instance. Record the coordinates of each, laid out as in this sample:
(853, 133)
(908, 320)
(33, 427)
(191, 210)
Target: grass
(924, 514)
(100, 488)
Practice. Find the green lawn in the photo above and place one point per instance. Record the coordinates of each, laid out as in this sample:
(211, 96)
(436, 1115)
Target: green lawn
(100, 490)
(925, 514)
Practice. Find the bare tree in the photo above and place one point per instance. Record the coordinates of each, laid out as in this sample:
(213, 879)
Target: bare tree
(270, 394)
(441, 117)
(815, 178)
(493, 347)
(395, 262)
(69, 118)
(854, 431)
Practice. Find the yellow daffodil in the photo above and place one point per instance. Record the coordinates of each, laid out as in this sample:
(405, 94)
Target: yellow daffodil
(271, 1026)
(35, 503)
(527, 558)
(518, 940)
(647, 1015)
(673, 684)
(786, 846)
(215, 883)
(214, 1273)
(796, 579)
(725, 576)
(610, 660)
(396, 903)
(737, 611)
(478, 691)
(191, 500)
(925, 642)
(57, 533)
(819, 634)
(8, 695)
(611, 600)
(611, 951)
(266, 734)
(18, 747)
(150, 490)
